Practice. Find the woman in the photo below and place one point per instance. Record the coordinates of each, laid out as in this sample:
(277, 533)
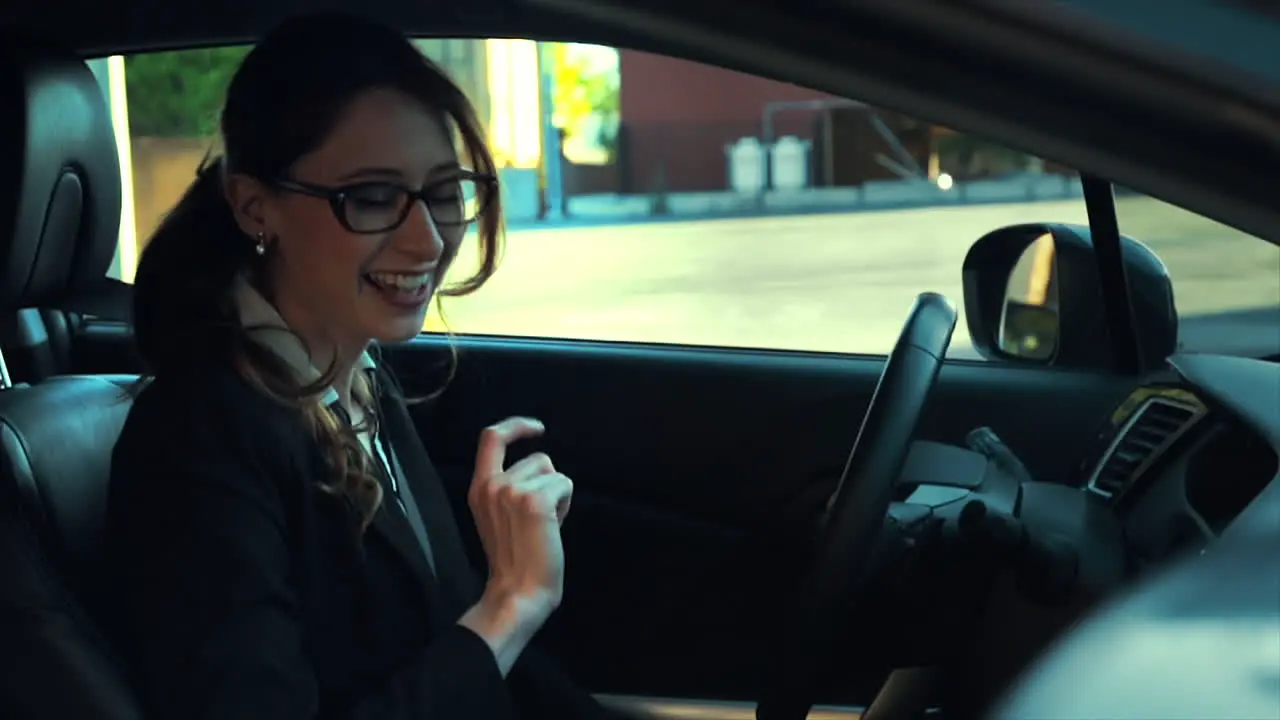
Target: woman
(281, 545)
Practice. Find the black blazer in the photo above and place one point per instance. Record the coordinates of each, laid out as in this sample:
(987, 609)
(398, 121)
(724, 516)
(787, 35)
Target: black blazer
(243, 591)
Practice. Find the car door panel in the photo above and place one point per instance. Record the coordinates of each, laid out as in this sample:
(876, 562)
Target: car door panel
(695, 470)
(697, 473)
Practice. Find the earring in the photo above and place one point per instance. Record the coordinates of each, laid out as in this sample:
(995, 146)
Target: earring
(261, 247)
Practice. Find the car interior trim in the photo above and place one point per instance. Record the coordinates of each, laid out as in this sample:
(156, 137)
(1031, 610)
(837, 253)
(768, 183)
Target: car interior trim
(1124, 433)
(683, 709)
(1100, 204)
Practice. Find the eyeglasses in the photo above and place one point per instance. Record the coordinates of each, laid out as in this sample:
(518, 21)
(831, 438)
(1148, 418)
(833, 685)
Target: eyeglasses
(378, 206)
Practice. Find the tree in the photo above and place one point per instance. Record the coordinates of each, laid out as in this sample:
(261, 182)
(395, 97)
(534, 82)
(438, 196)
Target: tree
(583, 93)
(179, 93)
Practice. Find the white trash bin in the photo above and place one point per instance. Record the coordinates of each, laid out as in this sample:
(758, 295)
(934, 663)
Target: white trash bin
(790, 163)
(746, 165)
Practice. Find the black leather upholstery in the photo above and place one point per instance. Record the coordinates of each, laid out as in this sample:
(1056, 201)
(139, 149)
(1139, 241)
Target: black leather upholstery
(55, 445)
(59, 197)
(60, 207)
(36, 343)
(59, 175)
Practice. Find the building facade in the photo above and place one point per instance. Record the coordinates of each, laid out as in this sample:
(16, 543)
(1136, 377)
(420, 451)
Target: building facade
(678, 117)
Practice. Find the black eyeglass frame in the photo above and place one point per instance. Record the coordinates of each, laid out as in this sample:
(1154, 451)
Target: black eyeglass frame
(486, 189)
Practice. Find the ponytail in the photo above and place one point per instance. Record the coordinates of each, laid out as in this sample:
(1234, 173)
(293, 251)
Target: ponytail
(181, 300)
(183, 313)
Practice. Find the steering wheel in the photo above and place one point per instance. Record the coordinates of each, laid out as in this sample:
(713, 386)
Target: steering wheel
(858, 510)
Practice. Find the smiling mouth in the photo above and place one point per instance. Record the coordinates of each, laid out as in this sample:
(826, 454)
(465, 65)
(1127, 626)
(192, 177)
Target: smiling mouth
(407, 291)
(398, 282)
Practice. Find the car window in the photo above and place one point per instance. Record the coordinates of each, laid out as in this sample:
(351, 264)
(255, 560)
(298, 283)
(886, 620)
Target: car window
(689, 204)
(1226, 283)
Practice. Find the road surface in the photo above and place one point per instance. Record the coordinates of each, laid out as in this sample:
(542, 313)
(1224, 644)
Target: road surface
(818, 282)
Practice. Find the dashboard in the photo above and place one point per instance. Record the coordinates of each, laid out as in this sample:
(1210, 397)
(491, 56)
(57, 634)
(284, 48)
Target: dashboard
(1199, 638)
(1186, 460)
(1184, 455)
(1186, 466)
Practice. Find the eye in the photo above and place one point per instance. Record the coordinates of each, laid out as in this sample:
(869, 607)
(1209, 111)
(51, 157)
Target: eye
(446, 196)
(446, 192)
(374, 196)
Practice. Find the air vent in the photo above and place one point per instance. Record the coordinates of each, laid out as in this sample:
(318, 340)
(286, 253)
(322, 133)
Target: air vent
(1151, 428)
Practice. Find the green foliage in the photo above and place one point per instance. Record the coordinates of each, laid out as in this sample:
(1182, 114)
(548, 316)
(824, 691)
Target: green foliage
(179, 93)
(582, 92)
(603, 92)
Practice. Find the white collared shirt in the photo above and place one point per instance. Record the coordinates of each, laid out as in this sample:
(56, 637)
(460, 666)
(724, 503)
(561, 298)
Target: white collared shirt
(268, 328)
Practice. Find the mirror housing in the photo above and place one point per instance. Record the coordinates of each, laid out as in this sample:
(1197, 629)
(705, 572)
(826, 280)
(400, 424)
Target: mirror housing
(1032, 295)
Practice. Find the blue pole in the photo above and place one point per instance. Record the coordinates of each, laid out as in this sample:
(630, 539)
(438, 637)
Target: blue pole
(550, 134)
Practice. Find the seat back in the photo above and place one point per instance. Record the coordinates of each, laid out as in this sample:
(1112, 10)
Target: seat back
(55, 446)
(55, 454)
(36, 343)
(59, 218)
(60, 177)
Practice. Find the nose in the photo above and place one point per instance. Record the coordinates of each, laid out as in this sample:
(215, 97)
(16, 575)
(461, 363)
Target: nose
(420, 235)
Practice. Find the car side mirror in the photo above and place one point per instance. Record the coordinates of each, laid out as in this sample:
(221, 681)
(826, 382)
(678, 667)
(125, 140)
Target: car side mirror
(1033, 296)
(1029, 314)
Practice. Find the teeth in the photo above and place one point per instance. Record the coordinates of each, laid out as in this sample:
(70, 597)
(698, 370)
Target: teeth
(401, 281)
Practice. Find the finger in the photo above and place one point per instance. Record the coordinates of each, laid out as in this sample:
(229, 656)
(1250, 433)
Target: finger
(562, 508)
(529, 467)
(492, 453)
(545, 494)
(514, 478)
(562, 499)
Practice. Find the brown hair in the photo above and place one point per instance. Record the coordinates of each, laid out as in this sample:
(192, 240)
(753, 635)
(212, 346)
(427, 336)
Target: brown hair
(282, 103)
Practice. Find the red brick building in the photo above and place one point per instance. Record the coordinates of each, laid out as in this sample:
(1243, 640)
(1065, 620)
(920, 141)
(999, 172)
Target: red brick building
(678, 116)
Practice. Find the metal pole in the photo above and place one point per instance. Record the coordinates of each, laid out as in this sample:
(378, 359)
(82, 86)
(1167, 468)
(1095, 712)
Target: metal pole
(551, 149)
(894, 143)
(771, 109)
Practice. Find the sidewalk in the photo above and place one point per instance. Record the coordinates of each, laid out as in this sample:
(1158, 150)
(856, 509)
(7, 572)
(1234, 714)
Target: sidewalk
(596, 210)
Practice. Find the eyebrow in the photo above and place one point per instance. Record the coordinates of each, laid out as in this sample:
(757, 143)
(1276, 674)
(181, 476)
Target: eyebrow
(396, 173)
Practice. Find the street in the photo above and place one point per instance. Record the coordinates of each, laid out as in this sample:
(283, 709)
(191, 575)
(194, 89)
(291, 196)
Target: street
(831, 282)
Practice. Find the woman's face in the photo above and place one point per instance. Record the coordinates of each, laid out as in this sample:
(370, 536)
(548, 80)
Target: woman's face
(339, 288)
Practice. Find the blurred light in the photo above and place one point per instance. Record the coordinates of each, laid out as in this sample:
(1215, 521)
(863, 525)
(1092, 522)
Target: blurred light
(109, 72)
(514, 123)
(944, 181)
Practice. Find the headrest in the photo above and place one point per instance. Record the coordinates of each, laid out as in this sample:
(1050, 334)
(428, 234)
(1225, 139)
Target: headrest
(59, 175)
